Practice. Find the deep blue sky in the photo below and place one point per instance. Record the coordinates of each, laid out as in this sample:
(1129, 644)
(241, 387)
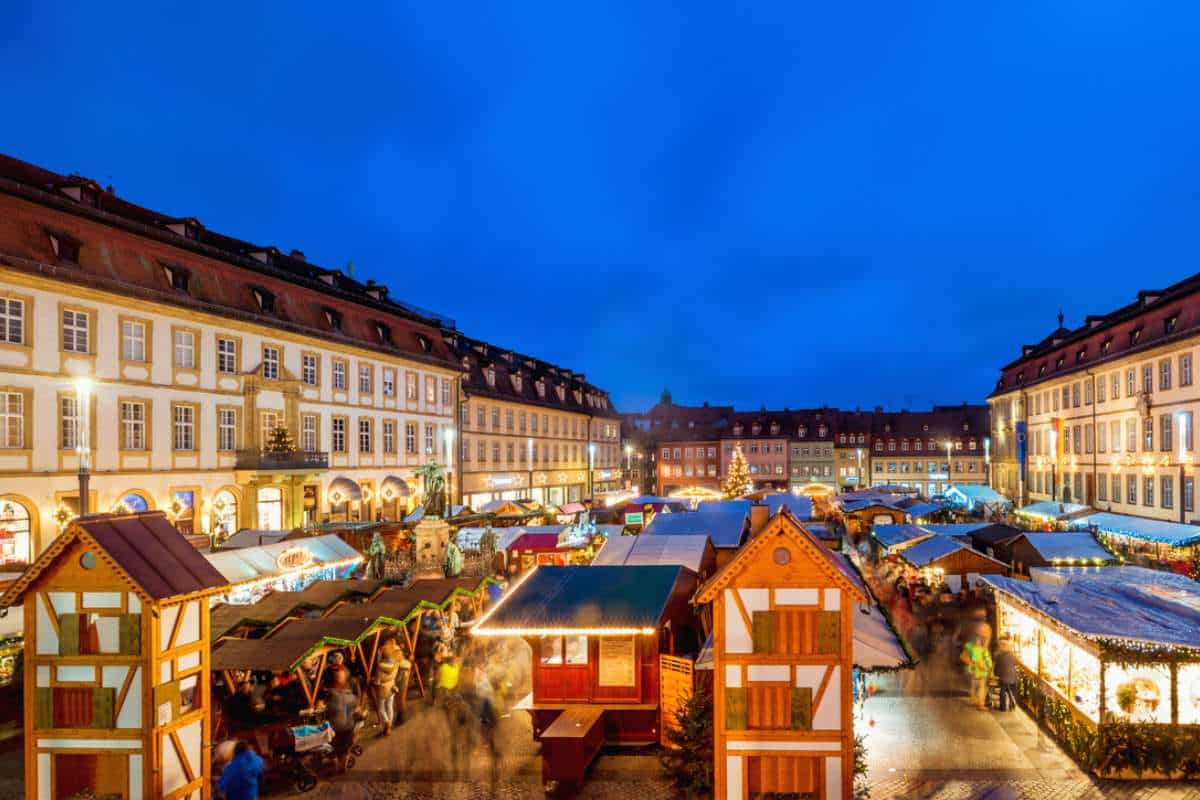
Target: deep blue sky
(869, 205)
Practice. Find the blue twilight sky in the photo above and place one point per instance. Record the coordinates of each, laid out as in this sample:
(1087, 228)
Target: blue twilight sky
(870, 203)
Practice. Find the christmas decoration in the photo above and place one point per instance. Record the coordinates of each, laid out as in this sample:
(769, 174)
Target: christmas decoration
(689, 763)
(281, 441)
(737, 482)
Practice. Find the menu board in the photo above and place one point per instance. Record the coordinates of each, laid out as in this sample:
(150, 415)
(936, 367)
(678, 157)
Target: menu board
(617, 664)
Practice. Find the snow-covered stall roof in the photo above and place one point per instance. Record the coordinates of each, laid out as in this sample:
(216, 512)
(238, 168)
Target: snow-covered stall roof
(800, 505)
(247, 564)
(895, 535)
(1049, 509)
(684, 551)
(1076, 546)
(971, 494)
(932, 549)
(1175, 534)
(1128, 603)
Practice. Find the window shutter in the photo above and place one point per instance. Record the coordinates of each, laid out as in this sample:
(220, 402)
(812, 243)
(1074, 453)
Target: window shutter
(735, 709)
(764, 631)
(802, 710)
(167, 693)
(131, 634)
(829, 633)
(104, 703)
(43, 699)
(68, 635)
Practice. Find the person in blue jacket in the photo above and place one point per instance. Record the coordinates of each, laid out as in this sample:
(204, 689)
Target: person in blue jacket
(241, 777)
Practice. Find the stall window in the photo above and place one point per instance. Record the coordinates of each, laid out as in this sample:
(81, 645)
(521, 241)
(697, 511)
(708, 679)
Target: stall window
(576, 649)
(552, 650)
(570, 650)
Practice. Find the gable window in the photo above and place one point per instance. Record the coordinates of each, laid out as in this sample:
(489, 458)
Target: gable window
(226, 355)
(75, 325)
(12, 321)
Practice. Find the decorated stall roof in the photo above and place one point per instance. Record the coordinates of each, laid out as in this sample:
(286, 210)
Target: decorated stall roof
(1049, 509)
(973, 494)
(398, 606)
(726, 529)
(800, 505)
(535, 541)
(609, 598)
(1080, 546)
(851, 506)
(256, 538)
(1175, 534)
(282, 655)
(932, 549)
(1124, 603)
(323, 594)
(266, 613)
(684, 551)
(918, 510)
(249, 564)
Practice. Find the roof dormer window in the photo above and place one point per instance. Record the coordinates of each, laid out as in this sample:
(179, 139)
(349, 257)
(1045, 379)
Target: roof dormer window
(774, 427)
(1081, 356)
(802, 431)
(177, 277)
(333, 318)
(541, 389)
(65, 247)
(1041, 370)
(517, 382)
(1105, 346)
(737, 429)
(755, 429)
(578, 396)
(1058, 364)
(425, 342)
(265, 300)
(691, 423)
(1020, 377)
(1135, 335)
(384, 333)
(821, 431)
(1169, 323)
(489, 375)
(561, 391)
(466, 362)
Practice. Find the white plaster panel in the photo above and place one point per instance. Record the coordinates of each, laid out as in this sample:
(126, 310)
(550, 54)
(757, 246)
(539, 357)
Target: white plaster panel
(47, 637)
(188, 661)
(733, 778)
(189, 629)
(63, 602)
(136, 462)
(135, 604)
(77, 673)
(737, 638)
(108, 633)
(733, 676)
(809, 675)
(186, 378)
(228, 384)
(97, 744)
(136, 373)
(797, 597)
(113, 677)
(768, 672)
(767, 744)
(189, 737)
(833, 776)
(43, 676)
(164, 672)
(14, 463)
(187, 462)
(166, 624)
(131, 710)
(135, 776)
(173, 775)
(833, 599)
(14, 358)
(45, 784)
(102, 599)
(828, 715)
(756, 599)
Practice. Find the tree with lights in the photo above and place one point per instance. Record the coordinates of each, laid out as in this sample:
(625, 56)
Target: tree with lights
(281, 441)
(737, 482)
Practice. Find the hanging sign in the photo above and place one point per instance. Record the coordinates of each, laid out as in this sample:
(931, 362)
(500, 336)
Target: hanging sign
(294, 558)
(617, 667)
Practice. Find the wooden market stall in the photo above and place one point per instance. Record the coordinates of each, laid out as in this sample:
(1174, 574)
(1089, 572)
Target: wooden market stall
(597, 634)
(1029, 550)
(783, 650)
(1110, 664)
(943, 560)
(1145, 542)
(116, 696)
(1049, 515)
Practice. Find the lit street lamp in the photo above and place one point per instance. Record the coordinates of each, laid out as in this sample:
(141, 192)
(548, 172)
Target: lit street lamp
(83, 395)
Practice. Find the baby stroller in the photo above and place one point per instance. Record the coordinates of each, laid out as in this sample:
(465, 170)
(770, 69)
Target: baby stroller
(306, 751)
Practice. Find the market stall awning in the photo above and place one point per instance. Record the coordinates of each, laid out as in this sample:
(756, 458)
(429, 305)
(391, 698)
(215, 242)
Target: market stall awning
(684, 551)
(620, 599)
(1175, 534)
(1127, 603)
(726, 529)
(899, 535)
(343, 490)
(250, 564)
(392, 487)
(266, 613)
(938, 547)
(918, 510)
(1050, 510)
(1067, 547)
(971, 494)
(572, 508)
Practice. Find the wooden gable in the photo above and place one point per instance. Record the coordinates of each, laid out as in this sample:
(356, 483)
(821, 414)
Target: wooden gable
(61, 567)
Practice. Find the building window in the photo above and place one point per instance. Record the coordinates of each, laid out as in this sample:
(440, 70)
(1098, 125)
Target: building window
(69, 422)
(410, 437)
(445, 391)
(1131, 436)
(133, 425)
(1148, 491)
(1087, 393)
(1075, 395)
(1130, 382)
(1164, 374)
(1189, 493)
(308, 433)
(389, 436)
(1147, 378)
(185, 427)
(1185, 369)
(75, 331)
(430, 389)
(338, 428)
(185, 350)
(1164, 433)
(1148, 434)
(308, 369)
(227, 429)
(270, 369)
(482, 452)
(364, 378)
(508, 420)
(429, 439)
(496, 452)
(226, 356)
(1167, 487)
(1116, 488)
(364, 436)
(1102, 488)
(133, 340)
(410, 387)
(339, 374)
(12, 321)
(389, 383)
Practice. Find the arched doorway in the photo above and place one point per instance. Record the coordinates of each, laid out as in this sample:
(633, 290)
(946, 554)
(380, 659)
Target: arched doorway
(16, 532)
(345, 500)
(270, 508)
(133, 502)
(224, 514)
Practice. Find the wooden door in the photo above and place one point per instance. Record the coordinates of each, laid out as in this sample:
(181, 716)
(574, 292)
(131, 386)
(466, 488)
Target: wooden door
(770, 776)
(102, 774)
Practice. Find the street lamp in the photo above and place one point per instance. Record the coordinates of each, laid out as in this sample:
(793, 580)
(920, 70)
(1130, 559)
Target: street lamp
(83, 396)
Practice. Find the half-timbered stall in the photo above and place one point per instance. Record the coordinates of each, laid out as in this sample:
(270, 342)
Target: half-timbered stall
(116, 690)
(597, 635)
(1109, 662)
(782, 658)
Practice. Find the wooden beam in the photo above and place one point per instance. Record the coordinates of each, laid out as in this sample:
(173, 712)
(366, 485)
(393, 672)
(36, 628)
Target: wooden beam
(182, 756)
(45, 598)
(741, 607)
(129, 676)
(821, 689)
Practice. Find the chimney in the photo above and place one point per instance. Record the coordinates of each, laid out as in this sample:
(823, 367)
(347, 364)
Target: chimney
(759, 514)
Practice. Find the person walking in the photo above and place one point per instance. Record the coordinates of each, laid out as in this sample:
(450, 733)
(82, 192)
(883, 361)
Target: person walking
(341, 706)
(241, 777)
(1006, 674)
(978, 664)
(383, 685)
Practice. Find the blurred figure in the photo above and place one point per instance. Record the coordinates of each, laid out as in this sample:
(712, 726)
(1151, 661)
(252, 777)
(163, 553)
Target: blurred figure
(241, 777)
(340, 706)
(978, 664)
(1006, 674)
(383, 685)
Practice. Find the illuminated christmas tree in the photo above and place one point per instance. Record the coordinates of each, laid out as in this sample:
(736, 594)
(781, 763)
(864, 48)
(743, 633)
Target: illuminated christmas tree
(737, 482)
(281, 441)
